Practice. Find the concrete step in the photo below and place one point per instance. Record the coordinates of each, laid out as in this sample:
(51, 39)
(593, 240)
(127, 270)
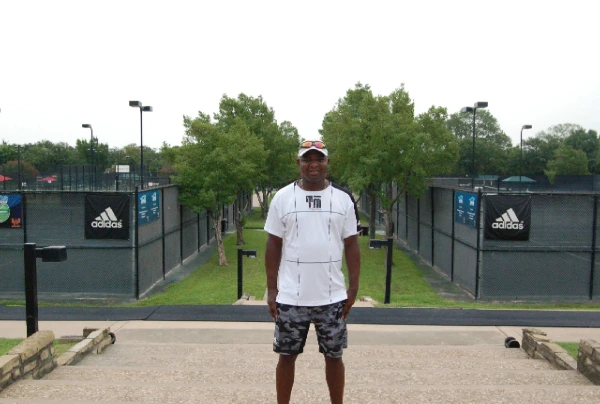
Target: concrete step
(354, 377)
(488, 352)
(238, 358)
(67, 392)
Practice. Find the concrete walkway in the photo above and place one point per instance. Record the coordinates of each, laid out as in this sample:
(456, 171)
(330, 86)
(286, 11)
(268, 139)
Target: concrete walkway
(232, 362)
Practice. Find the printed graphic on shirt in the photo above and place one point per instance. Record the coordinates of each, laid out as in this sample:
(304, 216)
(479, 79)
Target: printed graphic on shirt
(314, 202)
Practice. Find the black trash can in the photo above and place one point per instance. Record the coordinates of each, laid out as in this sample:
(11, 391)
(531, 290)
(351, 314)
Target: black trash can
(223, 225)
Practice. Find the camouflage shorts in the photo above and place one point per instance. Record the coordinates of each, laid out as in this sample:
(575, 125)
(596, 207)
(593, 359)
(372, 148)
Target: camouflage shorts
(293, 323)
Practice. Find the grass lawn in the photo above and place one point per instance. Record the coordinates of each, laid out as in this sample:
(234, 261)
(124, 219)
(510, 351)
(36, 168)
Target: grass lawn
(6, 344)
(571, 347)
(211, 284)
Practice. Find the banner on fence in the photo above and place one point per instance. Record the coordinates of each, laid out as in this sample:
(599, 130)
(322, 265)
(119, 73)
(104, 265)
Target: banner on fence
(466, 209)
(11, 211)
(148, 207)
(507, 217)
(107, 217)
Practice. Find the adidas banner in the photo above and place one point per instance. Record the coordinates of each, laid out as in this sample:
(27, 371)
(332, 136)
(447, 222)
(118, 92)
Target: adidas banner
(507, 217)
(107, 217)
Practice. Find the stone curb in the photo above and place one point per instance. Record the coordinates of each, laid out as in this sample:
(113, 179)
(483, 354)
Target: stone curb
(94, 341)
(31, 359)
(538, 345)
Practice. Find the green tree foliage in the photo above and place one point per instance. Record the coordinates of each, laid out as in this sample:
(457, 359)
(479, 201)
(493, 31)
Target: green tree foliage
(567, 161)
(215, 163)
(587, 142)
(540, 149)
(280, 141)
(376, 141)
(492, 145)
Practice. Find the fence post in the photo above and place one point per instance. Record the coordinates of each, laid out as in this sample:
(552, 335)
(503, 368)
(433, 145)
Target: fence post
(419, 226)
(137, 246)
(477, 264)
(24, 216)
(592, 269)
(181, 234)
(453, 236)
(162, 219)
(432, 230)
(406, 216)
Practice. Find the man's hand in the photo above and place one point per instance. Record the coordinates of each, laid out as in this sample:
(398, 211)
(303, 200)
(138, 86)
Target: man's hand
(271, 296)
(349, 303)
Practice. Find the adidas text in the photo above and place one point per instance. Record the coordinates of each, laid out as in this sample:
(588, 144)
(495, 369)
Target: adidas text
(107, 220)
(508, 226)
(107, 224)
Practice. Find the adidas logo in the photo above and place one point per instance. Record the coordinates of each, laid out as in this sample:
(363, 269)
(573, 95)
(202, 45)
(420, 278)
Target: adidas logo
(107, 220)
(508, 221)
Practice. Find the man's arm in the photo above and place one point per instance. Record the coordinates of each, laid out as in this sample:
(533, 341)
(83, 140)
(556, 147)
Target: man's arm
(352, 253)
(272, 261)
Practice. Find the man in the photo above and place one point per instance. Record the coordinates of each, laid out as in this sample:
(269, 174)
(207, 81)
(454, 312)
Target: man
(310, 223)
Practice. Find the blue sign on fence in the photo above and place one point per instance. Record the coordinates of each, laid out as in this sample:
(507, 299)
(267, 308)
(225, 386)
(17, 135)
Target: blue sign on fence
(466, 209)
(148, 207)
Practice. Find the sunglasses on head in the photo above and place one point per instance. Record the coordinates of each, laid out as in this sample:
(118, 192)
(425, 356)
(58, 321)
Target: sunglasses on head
(316, 144)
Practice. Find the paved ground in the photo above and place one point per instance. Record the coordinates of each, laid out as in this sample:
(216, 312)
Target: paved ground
(196, 331)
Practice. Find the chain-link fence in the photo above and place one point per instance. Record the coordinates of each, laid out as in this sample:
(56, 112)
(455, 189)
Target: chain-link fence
(100, 268)
(557, 262)
(83, 177)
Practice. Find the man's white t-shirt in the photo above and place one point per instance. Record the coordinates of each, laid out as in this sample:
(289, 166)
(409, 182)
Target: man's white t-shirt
(313, 226)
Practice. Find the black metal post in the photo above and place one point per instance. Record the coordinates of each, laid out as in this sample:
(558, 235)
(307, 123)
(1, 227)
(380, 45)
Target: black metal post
(594, 230)
(521, 162)
(164, 235)
(388, 274)
(432, 228)
(181, 234)
(137, 246)
(453, 237)
(239, 272)
(31, 302)
(141, 148)
(478, 260)
(91, 155)
(19, 166)
(473, 153)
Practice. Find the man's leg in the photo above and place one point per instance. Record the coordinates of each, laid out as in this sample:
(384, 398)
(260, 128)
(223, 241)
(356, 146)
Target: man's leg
(336, 377)
(286, 368)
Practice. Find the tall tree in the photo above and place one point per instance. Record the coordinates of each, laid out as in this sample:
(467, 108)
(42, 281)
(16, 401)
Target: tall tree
(376, 141)
(492, 145)
(280, 142)
(587, 142)
(214, 165)
(567, 161)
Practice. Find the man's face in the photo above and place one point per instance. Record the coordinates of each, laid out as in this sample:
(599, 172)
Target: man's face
(313, 166)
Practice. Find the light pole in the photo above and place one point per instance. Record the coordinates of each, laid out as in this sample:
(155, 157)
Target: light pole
(138, 104)
(478, 105)
(87, 125)
(521, 157)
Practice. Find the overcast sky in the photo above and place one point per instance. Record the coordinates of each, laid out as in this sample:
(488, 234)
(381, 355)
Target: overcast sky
(65, 63)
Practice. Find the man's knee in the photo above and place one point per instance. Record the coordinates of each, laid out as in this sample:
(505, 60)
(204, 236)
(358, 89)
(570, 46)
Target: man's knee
(287, 359)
